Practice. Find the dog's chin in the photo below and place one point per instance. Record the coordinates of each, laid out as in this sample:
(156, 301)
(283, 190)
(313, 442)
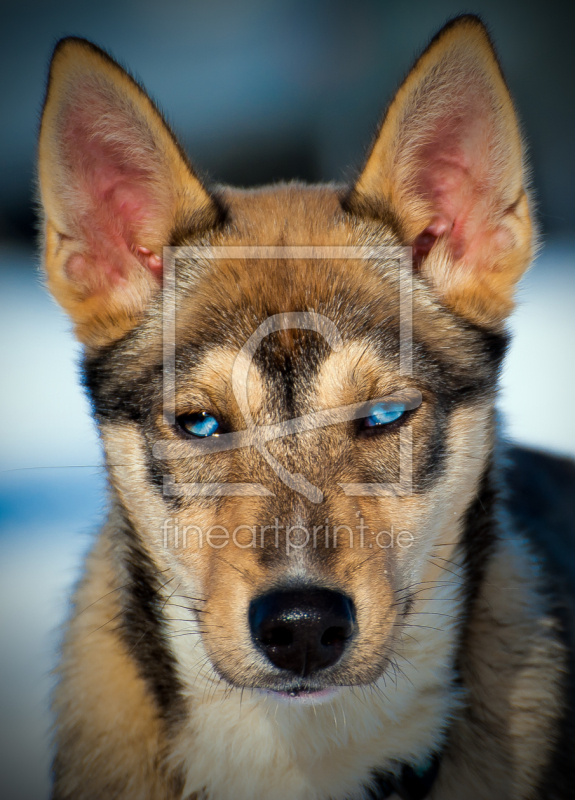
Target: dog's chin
(301, 695)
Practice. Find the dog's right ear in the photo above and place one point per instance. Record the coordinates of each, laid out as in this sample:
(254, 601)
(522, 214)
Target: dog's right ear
(448, 168)
(114, 185)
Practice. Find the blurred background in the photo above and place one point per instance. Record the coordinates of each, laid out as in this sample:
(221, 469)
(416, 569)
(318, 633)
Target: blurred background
(256, 91)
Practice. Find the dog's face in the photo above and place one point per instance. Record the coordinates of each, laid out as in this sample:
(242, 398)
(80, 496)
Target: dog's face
(300, 550)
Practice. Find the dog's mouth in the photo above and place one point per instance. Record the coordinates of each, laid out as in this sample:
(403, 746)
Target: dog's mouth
(302, 694)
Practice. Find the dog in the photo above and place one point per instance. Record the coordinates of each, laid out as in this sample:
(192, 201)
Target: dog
(321, 575)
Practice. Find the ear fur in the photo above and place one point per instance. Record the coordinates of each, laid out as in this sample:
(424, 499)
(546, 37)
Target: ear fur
(114, 184)
(448, 166)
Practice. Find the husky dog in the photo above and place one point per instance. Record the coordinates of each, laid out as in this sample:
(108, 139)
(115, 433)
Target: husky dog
(316, 580)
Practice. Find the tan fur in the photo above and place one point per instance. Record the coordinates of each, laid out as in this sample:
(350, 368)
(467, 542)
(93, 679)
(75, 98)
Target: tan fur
(102, 700)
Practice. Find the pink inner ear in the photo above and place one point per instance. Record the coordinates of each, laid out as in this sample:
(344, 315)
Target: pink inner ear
(114, 203)
(453, 177)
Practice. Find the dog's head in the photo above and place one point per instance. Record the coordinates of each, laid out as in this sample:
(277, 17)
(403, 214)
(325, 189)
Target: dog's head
(296, 415)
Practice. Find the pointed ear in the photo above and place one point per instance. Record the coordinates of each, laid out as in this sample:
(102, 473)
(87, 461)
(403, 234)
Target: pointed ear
(114, 185)
(448, 167)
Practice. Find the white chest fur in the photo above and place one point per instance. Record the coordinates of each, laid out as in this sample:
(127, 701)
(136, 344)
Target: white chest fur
(241, 745)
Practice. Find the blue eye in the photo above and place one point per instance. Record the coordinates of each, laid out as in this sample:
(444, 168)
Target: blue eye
(384, 413)
(200, 424)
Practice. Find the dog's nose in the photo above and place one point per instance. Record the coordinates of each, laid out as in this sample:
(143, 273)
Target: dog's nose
(302, 630)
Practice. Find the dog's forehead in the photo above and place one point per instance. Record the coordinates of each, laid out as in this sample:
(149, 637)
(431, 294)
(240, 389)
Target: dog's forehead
(286, 250)
(320, 372)
(292, 213)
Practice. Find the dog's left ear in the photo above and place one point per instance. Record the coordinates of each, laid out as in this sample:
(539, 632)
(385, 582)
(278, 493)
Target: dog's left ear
(115, 188)
(448, 167)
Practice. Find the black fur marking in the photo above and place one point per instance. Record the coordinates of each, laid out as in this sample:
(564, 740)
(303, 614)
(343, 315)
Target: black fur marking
(113, 397)
(370, 208)
(189, 228)
(410, 784)
(542, 502)
(480, 533)
(142, 629)
(433, 466)
(290, 368)
(457, 384)
(450, 387)
(493, 343)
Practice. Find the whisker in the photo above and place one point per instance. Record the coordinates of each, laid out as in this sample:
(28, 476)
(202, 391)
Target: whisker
(439, 566)
(410, 625)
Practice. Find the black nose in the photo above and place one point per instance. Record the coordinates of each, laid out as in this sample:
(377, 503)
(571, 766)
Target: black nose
(302, 630)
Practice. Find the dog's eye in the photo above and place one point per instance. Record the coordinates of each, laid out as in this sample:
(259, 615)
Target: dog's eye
(200, 424)
(382, 414)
